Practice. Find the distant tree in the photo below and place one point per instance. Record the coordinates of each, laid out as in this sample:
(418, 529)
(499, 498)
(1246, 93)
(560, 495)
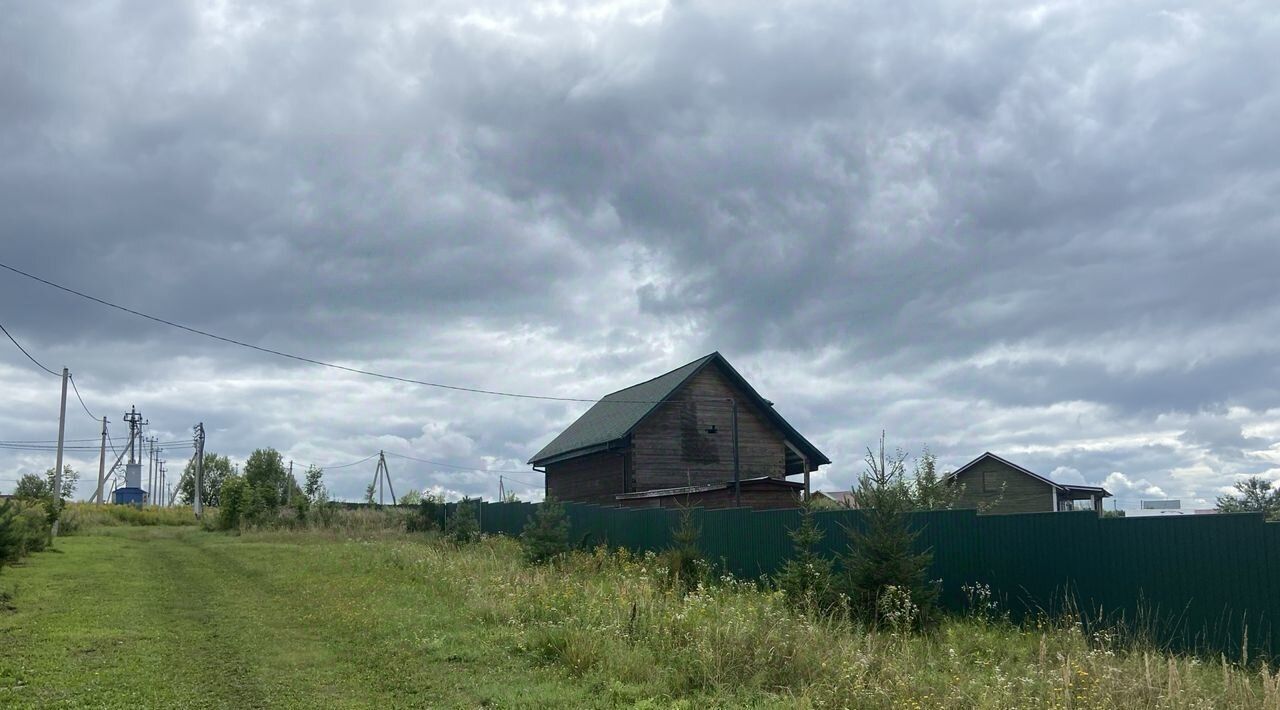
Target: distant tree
(929, 491)
(546, 536)
(266, 474)
(369, 491)
(31, 487)
(881, 558)
(216, 470)
(314, 482)
(1255, 495)
(413, 497)
(70, 479)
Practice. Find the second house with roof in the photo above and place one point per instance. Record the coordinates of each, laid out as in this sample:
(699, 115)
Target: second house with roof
(699, 435)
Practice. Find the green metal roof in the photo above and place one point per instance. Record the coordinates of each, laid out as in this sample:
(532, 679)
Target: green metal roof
(614, 416)
(617, 414)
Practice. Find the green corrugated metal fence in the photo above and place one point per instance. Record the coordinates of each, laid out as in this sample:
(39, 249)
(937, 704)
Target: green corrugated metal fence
(1190, 582)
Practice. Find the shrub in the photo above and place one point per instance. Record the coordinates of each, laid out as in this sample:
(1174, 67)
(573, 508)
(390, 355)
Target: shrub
(24, 529)
(546, 537)
(325, 510)
(426, 515)
(236, 501)
(463, 526)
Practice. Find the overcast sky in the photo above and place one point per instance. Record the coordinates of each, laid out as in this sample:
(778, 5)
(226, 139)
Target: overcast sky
(1047, 231)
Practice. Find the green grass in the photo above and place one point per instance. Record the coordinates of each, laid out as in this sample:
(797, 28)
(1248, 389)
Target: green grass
(174, 617)
(169, 616)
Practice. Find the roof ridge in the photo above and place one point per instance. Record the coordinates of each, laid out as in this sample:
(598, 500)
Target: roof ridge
(658, 377)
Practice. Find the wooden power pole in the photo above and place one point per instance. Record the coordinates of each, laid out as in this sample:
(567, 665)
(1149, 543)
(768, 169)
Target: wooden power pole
(102, 462)
(57, 468)
(198, 498)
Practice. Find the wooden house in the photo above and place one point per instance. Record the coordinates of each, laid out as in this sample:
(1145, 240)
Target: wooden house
(677, 431)
(999, 486)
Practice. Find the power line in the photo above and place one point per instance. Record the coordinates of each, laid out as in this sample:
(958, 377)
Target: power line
(449, 465)
(24, 350)
(300, 358)
(51, 372)
(43, 441)
(353, 463)
(509, 478)
(82, 404)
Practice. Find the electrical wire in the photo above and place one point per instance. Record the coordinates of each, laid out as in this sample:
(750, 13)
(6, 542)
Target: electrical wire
(345, 465)
(46, 447)
(82, 404)
(44, 441)
(449, 465)
(24, 350)
(300, 358)
(526, 483)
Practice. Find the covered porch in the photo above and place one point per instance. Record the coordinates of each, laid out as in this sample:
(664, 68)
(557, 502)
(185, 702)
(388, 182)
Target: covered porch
(1068, 497)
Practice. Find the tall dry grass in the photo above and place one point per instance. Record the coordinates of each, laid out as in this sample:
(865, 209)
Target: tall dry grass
(614, 618)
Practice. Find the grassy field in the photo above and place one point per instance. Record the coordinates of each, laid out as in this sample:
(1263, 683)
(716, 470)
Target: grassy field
(177, 617)
(166, 616)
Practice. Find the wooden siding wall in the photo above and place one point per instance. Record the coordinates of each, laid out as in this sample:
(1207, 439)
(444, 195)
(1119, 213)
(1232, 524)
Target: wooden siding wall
(772, 498)
(596, 478)
(672, 447)
(1022, 493)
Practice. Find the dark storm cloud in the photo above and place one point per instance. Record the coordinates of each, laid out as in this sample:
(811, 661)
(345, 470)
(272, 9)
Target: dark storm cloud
(1047, 231)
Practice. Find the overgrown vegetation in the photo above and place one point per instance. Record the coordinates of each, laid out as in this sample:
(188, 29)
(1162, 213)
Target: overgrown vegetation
(1253, 495)
(598, 629)
(24, 529)
(79, 518)
(612, 618)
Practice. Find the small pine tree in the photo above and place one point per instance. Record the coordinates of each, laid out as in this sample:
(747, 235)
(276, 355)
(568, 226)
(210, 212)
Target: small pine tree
(12, 535)
(546, 537)
(808, 578)
(462, 526)
(881, 555)
(684, 557)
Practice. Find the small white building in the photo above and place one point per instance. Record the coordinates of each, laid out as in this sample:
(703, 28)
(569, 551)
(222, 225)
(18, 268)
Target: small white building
(1173, 506)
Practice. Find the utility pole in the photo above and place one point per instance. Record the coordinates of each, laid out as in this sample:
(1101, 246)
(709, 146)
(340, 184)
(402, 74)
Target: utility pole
(112, 474)
(381, 472)
(153, 471)
(502, 493)
(135, 430)
(102, 462)
(288, 490)
(199, 491)
(57, 469)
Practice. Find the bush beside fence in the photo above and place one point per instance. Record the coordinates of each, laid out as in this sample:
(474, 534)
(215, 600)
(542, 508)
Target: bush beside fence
(1188, 583)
